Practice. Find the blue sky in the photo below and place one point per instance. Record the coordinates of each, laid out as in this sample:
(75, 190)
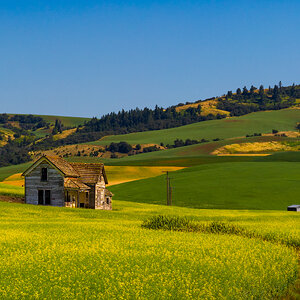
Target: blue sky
(88, 58)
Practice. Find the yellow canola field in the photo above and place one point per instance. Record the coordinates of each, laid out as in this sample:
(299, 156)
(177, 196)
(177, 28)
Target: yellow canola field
(61, 253)
(121, 174)
(256, 147)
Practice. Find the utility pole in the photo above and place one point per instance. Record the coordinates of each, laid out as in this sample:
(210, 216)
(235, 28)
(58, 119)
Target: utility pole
(169, 189)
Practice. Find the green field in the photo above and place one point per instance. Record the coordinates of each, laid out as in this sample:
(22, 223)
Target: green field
(13, 169)
(240, 185)
(66, 121)
(62, 253)
(258, 122)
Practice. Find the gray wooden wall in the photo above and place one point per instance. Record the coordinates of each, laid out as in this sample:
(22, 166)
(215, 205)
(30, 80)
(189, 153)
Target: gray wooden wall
(55, 184)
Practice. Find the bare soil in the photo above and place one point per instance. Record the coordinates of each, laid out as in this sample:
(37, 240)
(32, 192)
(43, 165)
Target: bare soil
(11, 199)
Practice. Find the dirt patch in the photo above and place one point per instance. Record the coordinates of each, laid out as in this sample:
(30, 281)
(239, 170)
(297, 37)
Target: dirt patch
(10, 199)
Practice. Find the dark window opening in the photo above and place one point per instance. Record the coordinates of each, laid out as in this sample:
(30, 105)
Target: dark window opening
(87, 195)
(107, 201)
(47, 197)
(67, 197)
(81, 205)
(44, 176)
(41, 197)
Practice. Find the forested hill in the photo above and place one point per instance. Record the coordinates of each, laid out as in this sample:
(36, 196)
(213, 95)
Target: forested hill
(240, 103)
(31, 133)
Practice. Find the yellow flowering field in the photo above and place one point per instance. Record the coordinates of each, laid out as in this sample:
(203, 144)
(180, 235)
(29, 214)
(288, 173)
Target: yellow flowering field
(7, 189)
(63, 253)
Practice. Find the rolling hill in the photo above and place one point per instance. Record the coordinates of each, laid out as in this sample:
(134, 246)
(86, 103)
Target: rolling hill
(257, 122)
(239, 185)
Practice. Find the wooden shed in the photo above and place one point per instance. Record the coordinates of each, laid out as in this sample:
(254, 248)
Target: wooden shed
(51, 180)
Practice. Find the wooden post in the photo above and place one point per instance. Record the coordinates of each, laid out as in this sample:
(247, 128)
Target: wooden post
(168, 188)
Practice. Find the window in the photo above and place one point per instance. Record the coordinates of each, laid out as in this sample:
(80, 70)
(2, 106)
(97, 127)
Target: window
(47, 197)
(87, 195)
(41, 197)
(107, 200)
(44, 176)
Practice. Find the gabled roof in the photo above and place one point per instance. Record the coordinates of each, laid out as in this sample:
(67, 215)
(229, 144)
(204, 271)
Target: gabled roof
(63, 166)
(75, 183)
(90, 172)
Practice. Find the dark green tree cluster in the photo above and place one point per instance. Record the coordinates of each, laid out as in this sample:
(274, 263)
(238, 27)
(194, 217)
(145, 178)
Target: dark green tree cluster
(181, 143)
(121, 147)
(14, 153)
(58, 127)
(29, 122)
(150, 149)
(246, 101)
(145, 119)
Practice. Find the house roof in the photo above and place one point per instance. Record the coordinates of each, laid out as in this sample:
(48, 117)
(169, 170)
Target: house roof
(108, 193)
(75, 183)
(63, 166)
(88, 173)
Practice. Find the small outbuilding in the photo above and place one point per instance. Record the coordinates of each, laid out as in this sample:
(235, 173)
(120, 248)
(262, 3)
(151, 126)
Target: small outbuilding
(295, 207)
(51, 180)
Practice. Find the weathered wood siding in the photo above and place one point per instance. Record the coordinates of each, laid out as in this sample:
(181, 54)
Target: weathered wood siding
(100, 200)
(54, 183)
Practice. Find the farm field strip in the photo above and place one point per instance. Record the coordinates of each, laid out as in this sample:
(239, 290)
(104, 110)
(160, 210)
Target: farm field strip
(115, 174)
(116, 258)
(238, 185)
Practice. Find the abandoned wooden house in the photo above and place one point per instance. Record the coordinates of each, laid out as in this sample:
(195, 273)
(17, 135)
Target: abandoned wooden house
(53, 181)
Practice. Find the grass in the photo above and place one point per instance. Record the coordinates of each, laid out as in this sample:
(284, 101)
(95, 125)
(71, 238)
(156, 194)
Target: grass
(66, 121)
(60, 253)
(255, 185)
(11, 190)
(13, 169)
(258, 122)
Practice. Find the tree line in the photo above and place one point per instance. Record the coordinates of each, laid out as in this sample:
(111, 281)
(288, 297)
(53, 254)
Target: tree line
(245, 101)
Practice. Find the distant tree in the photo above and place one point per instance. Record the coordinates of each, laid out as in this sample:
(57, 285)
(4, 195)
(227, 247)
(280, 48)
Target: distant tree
(252, 89)
(276, 96)
(229, 94)
(274, 131)
(245, 91)
(269, 90)
(261, 90)
(124, 147)
(138, 147)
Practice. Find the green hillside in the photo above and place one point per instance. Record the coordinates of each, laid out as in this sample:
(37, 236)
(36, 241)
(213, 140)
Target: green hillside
(240, 185)
(13, 169)
(258, 122)
(66, 121)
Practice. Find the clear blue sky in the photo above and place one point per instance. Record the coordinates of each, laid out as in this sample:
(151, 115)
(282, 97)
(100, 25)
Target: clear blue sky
(88, 58)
